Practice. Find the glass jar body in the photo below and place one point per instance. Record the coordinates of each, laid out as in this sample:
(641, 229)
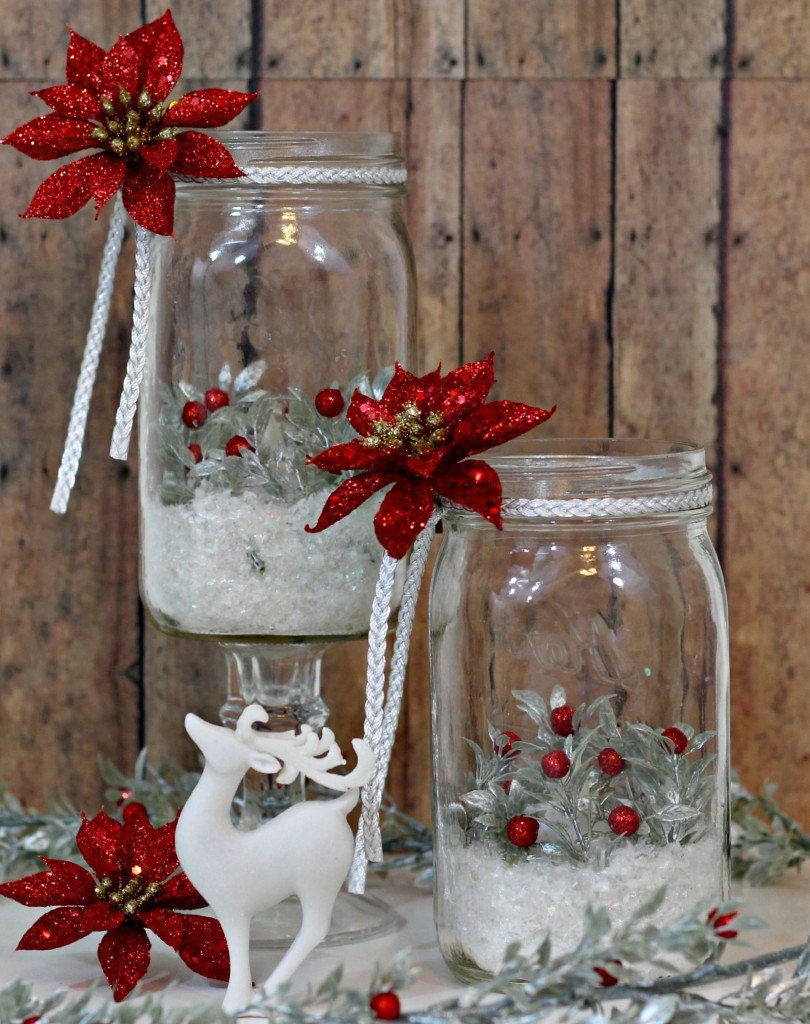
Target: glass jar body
(265, 296)
(580, 727)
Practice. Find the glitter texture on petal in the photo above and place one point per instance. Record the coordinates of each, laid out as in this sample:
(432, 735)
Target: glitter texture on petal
(72, 101)
(496, 423)
(149, 198)
(402, 516)
(63, 883)
(106, 176)
(124, 955)
(51, 136)
(65, 925)
(150, 850)
(348, 496)
(84, 63)
(354, 455)
(203, 157)
(123, 69)
(63, 192)
(207, 108)
(99, 842)
(475, 485)
(179, 894)
(161, 154)
(161, 52)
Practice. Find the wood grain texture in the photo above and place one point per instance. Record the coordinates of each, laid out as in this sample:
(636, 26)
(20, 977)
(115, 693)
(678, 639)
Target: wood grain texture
(217, 35)
(328, 39)
(666, 274)
(68, 605)
(673, 38)
(772, 40)
(35, 38)
(767, 435)
(536, 244)
(429, 38)
(550, 39)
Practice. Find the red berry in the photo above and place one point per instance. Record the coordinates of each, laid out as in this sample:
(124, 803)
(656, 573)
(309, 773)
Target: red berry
(623, 820)
(610, 761)
(562, 720)
(507, 785)
(522, 830)
(134, 811)
(507, 749)
(196, 451)
(194, 415)
(329, 402)
(721, 922)
(385, 1005)
(237, 444)
(555, 764)
(608, 979)
(677, 737)
(216, 398)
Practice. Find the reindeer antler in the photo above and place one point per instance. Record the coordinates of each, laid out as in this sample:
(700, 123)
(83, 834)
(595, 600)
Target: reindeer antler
(306, 753)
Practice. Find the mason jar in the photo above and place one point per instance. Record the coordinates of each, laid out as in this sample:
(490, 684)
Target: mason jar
(278, 294)
(579, 670)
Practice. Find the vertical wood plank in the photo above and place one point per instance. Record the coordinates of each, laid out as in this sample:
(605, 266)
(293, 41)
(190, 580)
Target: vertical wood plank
(772, 40)
(536, 244)
(35, 40)
(552, 39)
(328, 39)
(767, 435)
(429, 38)
(666, 257)
(68, 606)
(217, 36)
(673, 38)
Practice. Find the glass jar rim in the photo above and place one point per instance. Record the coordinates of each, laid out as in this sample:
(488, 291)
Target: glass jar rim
(602, 469)
(271, 148)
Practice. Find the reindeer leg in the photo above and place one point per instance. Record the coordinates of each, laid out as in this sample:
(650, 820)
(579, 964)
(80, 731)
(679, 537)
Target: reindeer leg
(316, 917)
(240, 982)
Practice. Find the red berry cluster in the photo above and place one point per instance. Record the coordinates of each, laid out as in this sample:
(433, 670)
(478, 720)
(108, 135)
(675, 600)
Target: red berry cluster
(720, 923)
(195, 414)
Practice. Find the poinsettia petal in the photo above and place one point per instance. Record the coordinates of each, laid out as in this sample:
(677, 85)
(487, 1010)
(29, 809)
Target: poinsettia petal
(494, 424)
(475, 485)
(198, 939)
(149, 198)
(63, 883)
(150, 851)
(64, 925)
(463, 389)
(123, 68)
(161, 52)
(71, 100)
(348, 496)
(179, 894)
(51, 136)
(362, 413)
(99, 842)
(106, 177)
(161, 154)
(84, 63)
(355, 455)
(403, 515)
(201, 156)
(402, 389)
(207, 108)
(124, 955)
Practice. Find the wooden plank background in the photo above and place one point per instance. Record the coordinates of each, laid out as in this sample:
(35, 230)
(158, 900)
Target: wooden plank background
(615, 196)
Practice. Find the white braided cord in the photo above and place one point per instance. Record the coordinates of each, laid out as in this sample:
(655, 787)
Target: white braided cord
(306, 174)
(119, 448)
(381, 730)
(77, 425)
(613, 507)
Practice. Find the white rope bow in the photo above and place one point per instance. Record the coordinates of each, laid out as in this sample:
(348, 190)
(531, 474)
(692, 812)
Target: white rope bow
(384, 175)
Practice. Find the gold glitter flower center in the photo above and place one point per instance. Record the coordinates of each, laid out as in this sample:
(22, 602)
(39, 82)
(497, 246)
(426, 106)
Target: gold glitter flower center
(132, 124)
(412, 432)
(130, 897)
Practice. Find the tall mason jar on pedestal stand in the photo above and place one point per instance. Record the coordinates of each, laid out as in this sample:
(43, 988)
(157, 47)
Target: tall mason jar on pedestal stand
(278, 294)
(579, 663)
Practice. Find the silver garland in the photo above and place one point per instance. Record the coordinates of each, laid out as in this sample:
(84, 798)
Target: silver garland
(766, 843)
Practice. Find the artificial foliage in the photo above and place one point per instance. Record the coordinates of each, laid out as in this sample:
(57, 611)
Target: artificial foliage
(237, 436)
(586, 782)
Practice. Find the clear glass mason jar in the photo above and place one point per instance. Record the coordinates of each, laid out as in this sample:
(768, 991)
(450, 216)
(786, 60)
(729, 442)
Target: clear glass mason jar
(267, 294)
(579, 666)
(278, 294)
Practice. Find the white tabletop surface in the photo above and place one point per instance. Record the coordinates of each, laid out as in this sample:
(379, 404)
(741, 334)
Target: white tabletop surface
(784, 906)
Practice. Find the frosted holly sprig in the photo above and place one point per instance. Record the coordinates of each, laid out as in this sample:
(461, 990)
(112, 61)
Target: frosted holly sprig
(591, 780)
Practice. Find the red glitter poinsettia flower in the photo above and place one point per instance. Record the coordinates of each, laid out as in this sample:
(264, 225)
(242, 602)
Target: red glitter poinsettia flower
(116, 101)
(419, 437)
(135, 886)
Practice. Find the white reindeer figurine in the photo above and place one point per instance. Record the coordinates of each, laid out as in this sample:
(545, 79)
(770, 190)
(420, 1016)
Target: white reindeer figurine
(306, 851)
